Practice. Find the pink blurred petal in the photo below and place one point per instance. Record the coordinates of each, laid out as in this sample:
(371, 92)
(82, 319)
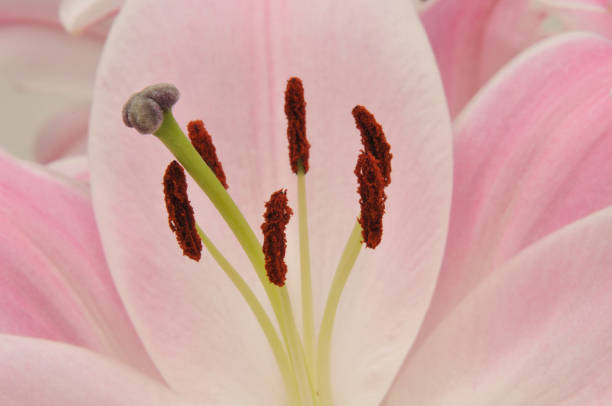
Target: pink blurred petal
(536, 332)
(38, 372)
(32, 11)
(63, 135)
(531, 155)
(90, 18)
(587, 15)
(472, 40)
(40, 59)
(75, 167)
(77, 15)
(54, 279)
(455, 29)
(532, 20)
(233, 77)
(45, 72)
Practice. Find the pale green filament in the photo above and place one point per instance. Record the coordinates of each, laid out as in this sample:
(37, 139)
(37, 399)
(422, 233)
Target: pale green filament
(345, 266)
(259, 312)
(296, 352)
(307, 310)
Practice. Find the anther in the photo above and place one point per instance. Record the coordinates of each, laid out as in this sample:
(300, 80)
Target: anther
(276, 218)
(145, 110)
(372, 198)
(180, 212)
(295, 109)
(374, 140)
(202, 142)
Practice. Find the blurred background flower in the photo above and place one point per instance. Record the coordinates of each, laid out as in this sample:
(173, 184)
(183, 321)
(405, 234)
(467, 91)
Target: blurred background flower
(49, 50)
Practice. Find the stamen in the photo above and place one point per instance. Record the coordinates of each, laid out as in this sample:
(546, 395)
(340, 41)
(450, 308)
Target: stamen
(258, 311)
(374, 140)
(202, 142)
(276, 218)
(180, 212)
(295, 109)
(172, 136)
(145, 110)
(373, 197)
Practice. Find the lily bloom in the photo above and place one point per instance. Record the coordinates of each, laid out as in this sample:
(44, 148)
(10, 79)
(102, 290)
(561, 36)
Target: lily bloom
(490, 284)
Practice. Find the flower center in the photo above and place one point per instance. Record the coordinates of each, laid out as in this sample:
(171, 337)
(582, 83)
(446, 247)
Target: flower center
(304, 359)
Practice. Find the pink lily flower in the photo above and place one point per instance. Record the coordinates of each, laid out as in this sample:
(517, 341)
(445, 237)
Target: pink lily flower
(491, 284)
(472, 40)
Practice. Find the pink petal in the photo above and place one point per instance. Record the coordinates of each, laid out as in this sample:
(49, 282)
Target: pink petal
(75, 167)
(38, 372)
(536, 20)
(472, 40)
(44, 72)
(91, 18)
(537, 332)
(531, 155)
(77, 15)
(455, 29)
(54, 279)
(39, 11)
(63, 135)
(231, 61)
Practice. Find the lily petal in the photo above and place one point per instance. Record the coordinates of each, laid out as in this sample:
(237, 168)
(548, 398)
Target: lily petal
(455, 29)
(39, 372)
(531, 155)
(233, 77)
(473, 40)
(77, 15)
(30, 11)
(55, 283)
(538, 331)
(44, 72)
(63, 135)
(75, 167)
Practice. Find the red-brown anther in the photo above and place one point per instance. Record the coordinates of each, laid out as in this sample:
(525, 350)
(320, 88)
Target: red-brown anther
(180, 212)
(202, 142)
(276, 218)
(374, 140)
(295, 109)
(371, 190)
